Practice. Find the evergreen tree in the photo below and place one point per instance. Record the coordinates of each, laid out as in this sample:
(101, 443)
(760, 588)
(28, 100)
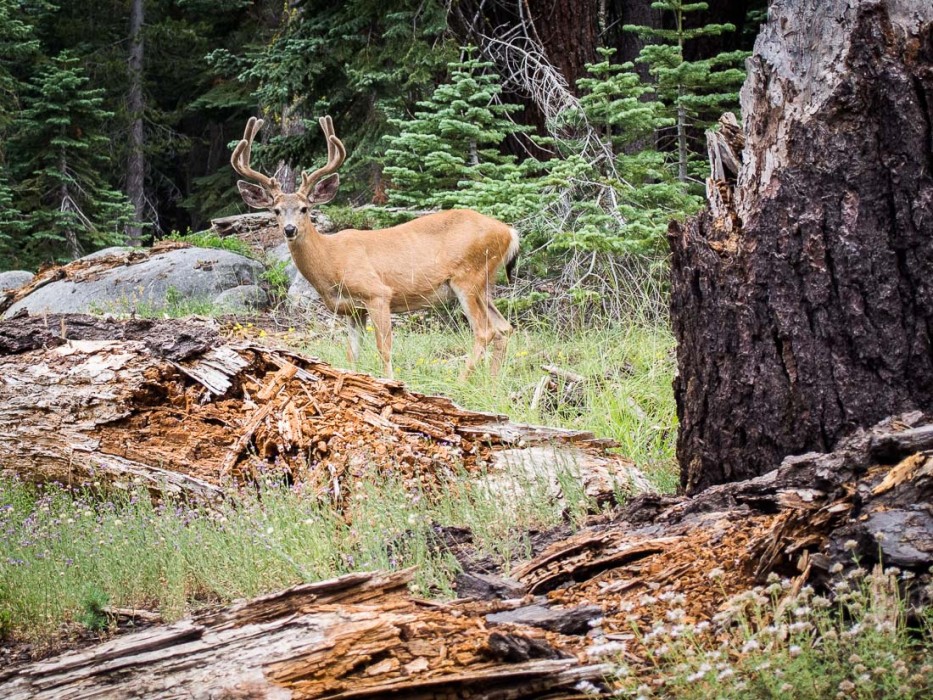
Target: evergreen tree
(17, 46)
(361, 61)
(642, 193)
(452, 141)
(695, 92)
(62, 160)
(12, 227)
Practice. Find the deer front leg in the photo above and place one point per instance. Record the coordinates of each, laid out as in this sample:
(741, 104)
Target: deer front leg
(380, 314)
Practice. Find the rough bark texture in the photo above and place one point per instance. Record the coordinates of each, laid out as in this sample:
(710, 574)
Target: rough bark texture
(563, 612)
(358, 636)
(136, 161)
(173, 405)
(806, 310)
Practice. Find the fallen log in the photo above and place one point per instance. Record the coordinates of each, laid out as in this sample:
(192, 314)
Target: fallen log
(358, 636)
(173, 405)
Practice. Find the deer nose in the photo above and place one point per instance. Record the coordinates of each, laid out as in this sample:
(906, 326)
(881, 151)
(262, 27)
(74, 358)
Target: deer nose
(290, 231)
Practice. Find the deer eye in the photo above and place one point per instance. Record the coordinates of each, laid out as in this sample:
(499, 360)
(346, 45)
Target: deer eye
(304, 210)
(276, 211)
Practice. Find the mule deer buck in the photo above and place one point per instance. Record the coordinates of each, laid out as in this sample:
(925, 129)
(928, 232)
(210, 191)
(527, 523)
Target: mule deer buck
(435, 258)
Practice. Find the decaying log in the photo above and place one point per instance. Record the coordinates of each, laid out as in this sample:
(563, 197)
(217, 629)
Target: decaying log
(240, 224)
(851, 507)
(802, 301)
(358, 636)
(172, 405)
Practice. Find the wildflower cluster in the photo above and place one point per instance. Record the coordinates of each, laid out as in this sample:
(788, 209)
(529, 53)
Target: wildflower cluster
(774, 641)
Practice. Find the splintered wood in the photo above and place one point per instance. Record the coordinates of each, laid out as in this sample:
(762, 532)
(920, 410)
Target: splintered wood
(128, 404)
(358, 636)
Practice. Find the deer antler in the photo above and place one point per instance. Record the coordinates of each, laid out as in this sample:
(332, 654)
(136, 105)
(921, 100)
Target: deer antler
(241, 155)
(336, 154)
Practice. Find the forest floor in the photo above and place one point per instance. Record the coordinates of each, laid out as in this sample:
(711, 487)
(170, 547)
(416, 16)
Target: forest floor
(73, 561)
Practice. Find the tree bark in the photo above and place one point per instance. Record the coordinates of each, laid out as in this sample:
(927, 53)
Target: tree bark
(807, 311)
(357, 636)
(136, 161)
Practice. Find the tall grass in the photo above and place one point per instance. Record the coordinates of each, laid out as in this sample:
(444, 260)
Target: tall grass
(66, 554)
(628, 395)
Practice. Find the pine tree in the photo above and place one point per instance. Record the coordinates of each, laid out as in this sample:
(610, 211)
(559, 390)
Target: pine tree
(695, 92)
(452, 141)
(17, 45)
(62, 161)
(361, 61)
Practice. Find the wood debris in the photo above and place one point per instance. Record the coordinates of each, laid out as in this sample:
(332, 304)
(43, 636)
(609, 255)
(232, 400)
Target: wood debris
(364, 636)
(357, 636)
(172, 404)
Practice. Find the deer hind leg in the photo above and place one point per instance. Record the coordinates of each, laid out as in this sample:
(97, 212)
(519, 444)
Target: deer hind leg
(356, 324)
(476, 307)
(500, 342)
(381, 316)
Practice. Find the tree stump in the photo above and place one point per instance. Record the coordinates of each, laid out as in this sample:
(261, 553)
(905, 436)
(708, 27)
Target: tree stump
(806, 310)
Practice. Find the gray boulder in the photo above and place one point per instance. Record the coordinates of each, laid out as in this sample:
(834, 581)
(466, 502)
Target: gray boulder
(112, 250)
(153, 282)
(302, 293)
(246, 297)
(14, 279)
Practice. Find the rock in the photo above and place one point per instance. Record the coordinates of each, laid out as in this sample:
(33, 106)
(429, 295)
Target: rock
(279, 254)
(488, 586)
(564, 620)
(154, 281)
(12, 279)
(246, 297)
(104, 252)
(302, 293)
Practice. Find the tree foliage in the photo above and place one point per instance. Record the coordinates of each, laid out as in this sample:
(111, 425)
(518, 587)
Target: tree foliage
(422, 127)
(61, 156)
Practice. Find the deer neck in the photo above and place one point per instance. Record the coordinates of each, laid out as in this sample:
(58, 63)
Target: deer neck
(313, 256)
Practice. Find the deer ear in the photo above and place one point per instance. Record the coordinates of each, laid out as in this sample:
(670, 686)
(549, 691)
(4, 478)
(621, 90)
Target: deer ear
(325, 190)
(254, 195)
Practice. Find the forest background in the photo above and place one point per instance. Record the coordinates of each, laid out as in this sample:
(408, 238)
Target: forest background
(582, 123)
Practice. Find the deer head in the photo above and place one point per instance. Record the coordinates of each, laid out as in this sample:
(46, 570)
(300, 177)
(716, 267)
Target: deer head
(291, 210)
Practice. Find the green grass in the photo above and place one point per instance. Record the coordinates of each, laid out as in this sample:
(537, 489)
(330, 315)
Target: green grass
(628, 397)
(207, 239)
(66, 555)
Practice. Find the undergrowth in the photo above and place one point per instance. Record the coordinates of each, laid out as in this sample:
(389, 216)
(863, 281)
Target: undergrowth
(859, 639)
(67, 554)
(207, 239)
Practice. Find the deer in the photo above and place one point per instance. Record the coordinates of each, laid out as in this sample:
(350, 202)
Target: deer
(437, 258)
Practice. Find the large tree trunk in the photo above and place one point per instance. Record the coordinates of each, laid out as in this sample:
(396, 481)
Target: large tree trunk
(136, 162)
(806, 311)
